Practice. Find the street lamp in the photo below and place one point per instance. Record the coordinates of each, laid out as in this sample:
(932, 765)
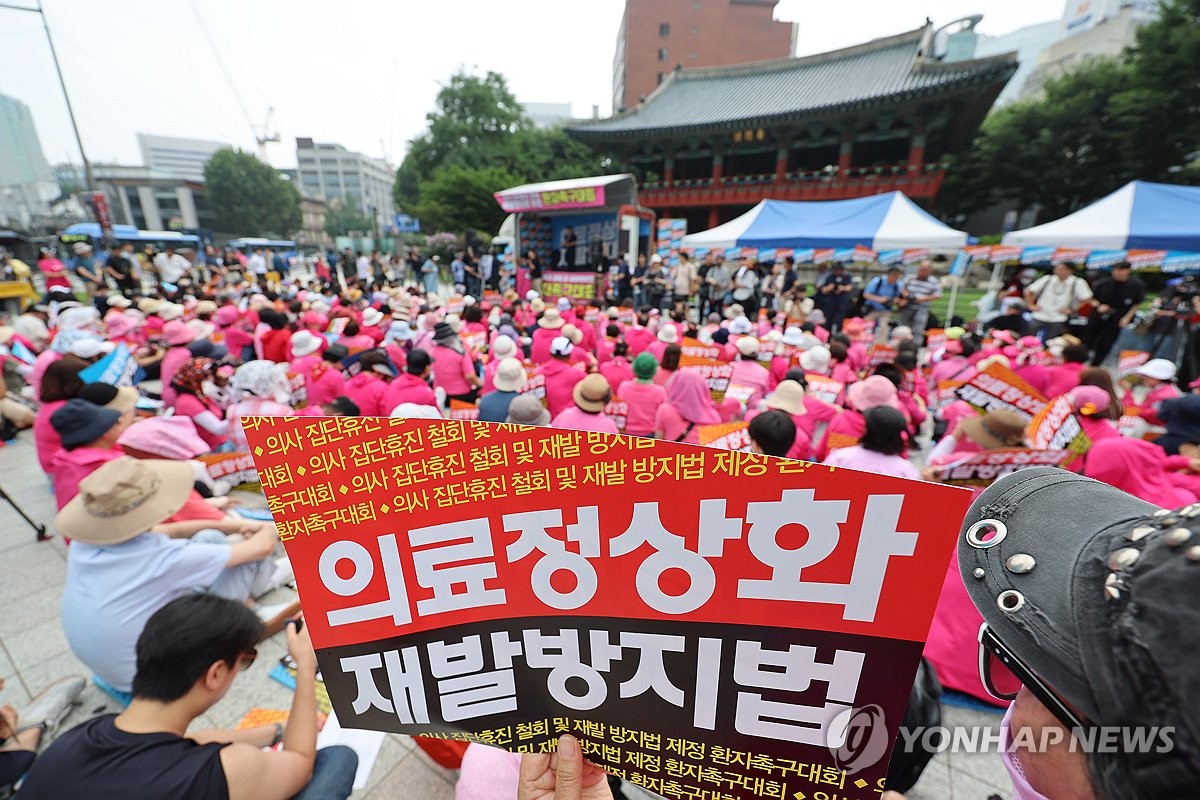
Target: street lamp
(87, 167)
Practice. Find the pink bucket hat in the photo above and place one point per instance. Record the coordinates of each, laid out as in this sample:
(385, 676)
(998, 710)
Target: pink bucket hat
(874, 391)
(173, 438)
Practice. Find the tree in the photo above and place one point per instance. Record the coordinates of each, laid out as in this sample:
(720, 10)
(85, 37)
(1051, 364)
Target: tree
(1095, 128)
(248, 196)
(457, 198)
(342, 217)
(1159, 112)
(480, 133)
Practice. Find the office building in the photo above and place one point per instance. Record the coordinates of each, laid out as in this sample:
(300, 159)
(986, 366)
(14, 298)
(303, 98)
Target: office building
(27, 184)
(656, 36)
(149, 200)
(333, 173)
(1090, 30)
(173, 157)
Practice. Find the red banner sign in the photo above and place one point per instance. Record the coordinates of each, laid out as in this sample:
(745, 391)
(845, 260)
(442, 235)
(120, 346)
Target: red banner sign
(983, 468)
(506, 584)
(716, 373)
(1055, 427)
(460, 409)
(1129, 361)
(726, 436)
(824, 388)
(998, 387)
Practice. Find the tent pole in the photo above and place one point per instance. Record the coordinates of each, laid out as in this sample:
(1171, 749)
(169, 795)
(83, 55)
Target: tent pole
(953, 299)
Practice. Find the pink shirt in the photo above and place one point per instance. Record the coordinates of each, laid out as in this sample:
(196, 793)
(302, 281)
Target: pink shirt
(955, 368)
(575, 418)
(644, 400)
(638, 339)
(366, 390)
(539, 350)
(172, 361)
(560, 382)
(818, 411)
(669, 425)
(450, 369)
(1062, 379)
(40, 365)
(1148, 408)
(408, 388)
(328, 384)
(616, 371)
(753, 375)
(356, 343)
(844, 430)
(857, 457)
(46, 439)
(72, 466)
(188, 405)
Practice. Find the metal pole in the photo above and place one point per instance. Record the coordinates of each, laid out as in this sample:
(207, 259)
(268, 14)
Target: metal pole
(75, 126)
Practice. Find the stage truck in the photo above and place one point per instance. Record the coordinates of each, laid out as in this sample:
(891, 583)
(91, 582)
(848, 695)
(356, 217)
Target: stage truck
(577, 228)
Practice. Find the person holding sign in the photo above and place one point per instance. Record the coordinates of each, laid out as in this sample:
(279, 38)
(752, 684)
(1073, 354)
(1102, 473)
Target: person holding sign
(188, 656)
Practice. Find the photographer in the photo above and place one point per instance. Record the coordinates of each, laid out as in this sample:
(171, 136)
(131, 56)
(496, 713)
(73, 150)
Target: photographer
(880, 297)
(1114, 302)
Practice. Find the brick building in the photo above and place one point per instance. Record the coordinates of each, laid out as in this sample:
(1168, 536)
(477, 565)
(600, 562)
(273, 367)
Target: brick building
(658, 35)
(710, 143)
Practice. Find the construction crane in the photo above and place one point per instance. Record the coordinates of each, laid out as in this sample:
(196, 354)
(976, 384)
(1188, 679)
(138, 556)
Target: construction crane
(264, 135)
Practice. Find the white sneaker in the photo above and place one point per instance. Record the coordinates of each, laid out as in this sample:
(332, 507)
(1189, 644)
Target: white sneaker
(275, 615)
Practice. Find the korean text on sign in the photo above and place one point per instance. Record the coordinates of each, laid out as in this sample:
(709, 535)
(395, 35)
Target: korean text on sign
(504, 584)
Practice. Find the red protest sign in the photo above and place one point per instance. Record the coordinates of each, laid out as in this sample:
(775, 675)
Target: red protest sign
(460, 409)
(694, 348)
(824, 388)
(725, 436)
(1129, 361)
(881, 354)
(506, 584)
(1055, 427)
(474, 342)
(999, 388)
(935, 339)
(946, 393)
(618, 411)
(536, 386)
(981, 469)
(740, 393)
(715, 373)
(237, 469)
(299, 397)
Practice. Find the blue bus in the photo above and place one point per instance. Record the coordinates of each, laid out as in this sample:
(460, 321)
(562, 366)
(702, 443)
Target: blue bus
(90, 233)
(247, 245)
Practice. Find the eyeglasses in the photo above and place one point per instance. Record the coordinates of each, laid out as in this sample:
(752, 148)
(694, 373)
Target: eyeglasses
(246, 659)
(1003, 674)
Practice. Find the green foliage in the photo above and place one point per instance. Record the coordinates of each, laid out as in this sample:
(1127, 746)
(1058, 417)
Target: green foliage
(459, 197)
(1062, 150)
(479, 141)
(1094, 129)
(342, 217)
(249, 197)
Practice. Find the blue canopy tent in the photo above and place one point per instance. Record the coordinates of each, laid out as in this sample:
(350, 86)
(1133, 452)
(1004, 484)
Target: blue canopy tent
(1138, 216)
(882, 222)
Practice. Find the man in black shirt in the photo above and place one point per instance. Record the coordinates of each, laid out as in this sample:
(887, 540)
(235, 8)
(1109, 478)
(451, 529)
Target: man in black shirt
(188, 656)
(1115, 300)
(120, 269)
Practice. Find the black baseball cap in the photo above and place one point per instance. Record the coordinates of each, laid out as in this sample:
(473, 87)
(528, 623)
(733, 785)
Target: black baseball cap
(1098, 593)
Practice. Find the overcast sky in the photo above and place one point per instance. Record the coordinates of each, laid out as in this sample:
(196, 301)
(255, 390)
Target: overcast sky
(359, 72)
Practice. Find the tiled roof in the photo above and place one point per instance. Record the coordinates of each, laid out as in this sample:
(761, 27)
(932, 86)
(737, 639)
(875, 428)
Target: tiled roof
(882, 70)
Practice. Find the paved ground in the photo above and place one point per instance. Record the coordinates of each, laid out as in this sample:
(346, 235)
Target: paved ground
(33, 652)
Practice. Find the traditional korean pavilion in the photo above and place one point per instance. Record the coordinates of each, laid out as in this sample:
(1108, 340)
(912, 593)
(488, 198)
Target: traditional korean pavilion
(708, 144)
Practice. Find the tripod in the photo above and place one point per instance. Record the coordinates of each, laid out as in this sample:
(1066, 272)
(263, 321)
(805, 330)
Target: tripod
(38, 528)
